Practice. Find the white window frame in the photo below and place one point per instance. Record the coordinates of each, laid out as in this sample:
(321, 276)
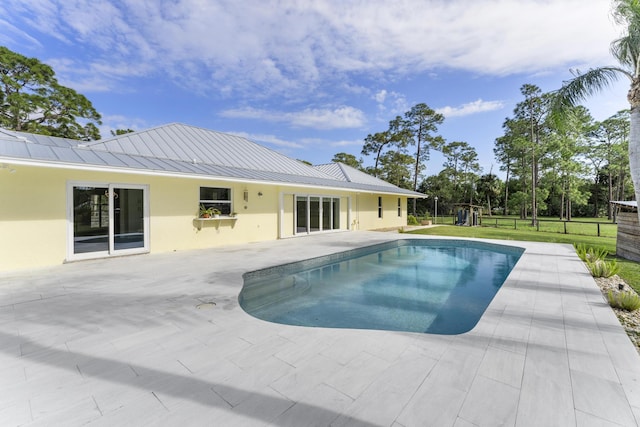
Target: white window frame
(321, 197)
(71, 256)
(217, 202)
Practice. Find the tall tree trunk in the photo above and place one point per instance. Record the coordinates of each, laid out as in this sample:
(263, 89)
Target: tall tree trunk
(506, 193)
(375, 168)
(634, 152)
(562, 201)
(534, 207)
(610, 207)
(634, 137)
(523, 204)
(415, 177)
(596, 193)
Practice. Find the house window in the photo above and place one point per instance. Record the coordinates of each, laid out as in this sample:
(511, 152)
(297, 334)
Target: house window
(399, 207)
(379, 207)
(217, 198)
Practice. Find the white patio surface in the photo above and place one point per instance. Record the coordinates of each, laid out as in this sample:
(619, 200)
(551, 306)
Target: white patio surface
(121, 342)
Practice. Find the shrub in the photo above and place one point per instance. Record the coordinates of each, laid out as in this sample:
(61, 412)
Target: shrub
(590, 254)
(412, 220)
(626, 300)
(581, 250)
(600, 268)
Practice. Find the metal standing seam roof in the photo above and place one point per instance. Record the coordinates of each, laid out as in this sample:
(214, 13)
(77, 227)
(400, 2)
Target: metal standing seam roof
(193, 144)
(350, 174)
(38, 139)
(151, 153)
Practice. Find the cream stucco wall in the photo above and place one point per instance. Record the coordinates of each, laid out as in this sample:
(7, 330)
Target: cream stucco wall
(32, 218)
(34, 213)
(367, 206)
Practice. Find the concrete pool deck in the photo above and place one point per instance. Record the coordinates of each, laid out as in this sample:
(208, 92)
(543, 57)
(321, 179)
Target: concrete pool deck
(161, 340)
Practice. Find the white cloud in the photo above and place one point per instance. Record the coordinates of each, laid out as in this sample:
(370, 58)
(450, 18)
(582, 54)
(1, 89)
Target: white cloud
(380, 96)
(475, 107)
(265, 48)
(347, 143)
(339, 118)
(10, 34)
(390, 104)
(317, 118)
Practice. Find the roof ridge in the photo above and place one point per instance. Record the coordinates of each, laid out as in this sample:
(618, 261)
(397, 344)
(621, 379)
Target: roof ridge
(344, 171)
(123, 135)
(18, 135)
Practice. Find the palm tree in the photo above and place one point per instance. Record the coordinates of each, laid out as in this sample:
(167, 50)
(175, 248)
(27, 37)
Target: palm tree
(626, 50)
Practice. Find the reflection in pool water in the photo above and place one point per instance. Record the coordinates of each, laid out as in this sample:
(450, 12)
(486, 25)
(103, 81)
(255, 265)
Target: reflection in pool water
(414, 285)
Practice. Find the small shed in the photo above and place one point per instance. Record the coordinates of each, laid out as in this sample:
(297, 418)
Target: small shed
(468, 214)
(628, 238)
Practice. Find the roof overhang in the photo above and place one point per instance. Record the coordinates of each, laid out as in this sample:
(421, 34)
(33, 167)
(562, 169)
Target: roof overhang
(208, 177)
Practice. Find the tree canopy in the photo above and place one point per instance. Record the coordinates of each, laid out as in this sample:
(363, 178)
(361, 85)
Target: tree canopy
(626, 50)
(32, 100)
(347, 159)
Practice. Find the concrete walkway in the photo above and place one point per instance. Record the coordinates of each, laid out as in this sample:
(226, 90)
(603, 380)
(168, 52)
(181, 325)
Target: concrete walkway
(138, 341)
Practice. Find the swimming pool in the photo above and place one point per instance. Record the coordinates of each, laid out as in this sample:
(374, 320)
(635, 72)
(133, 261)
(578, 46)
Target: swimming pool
(414, 285)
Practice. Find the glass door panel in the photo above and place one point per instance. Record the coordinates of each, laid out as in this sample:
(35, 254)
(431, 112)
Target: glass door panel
(128, 218)
(301, 215)
(326, 213)
(90, 219)
(314, 214)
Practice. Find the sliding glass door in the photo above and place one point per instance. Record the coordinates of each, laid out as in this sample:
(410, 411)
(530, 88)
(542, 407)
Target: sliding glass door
(316, 213)
(107, 220)
(128, 218)
(90, 219)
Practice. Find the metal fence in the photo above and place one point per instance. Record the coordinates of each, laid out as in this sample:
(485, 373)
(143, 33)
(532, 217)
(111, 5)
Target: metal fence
(587, 228)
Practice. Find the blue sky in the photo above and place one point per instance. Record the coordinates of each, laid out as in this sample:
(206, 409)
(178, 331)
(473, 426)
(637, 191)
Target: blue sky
(313, 78)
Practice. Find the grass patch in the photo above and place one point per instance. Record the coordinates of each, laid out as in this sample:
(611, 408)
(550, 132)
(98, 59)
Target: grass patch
(629, 270)
(586, 226)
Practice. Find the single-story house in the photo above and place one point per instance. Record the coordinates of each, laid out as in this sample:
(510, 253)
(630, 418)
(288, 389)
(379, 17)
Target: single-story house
(66, 200)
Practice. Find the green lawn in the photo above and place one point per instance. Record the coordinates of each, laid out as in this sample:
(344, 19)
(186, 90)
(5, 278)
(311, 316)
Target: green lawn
(629, 270)
(586, 226)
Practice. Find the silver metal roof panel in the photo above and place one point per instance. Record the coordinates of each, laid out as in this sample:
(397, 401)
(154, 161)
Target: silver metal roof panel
(65, 154)
(332, 169)
(41, 151)
(350, 174)
(188, 143)
(14, 148)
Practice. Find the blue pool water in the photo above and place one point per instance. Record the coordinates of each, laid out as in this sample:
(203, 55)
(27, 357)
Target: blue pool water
(413, 285)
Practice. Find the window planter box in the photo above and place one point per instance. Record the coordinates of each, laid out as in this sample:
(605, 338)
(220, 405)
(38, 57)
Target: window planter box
(215, 221)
